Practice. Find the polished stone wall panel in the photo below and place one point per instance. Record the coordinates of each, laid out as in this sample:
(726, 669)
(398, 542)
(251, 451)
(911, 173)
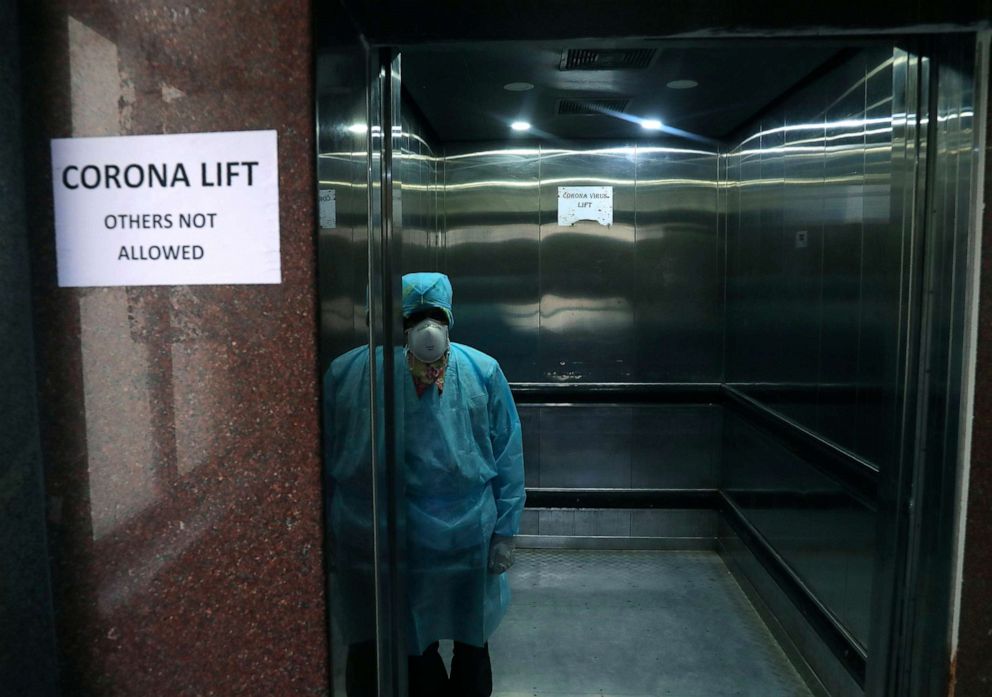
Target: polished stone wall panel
(179, 423)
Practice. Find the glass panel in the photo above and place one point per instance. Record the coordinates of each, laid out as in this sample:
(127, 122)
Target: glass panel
(347, 131)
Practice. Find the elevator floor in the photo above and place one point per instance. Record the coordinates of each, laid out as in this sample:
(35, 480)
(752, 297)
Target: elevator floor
(634, 624)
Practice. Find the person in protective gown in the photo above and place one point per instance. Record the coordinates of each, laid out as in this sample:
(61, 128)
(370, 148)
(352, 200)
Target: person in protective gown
(464, 489)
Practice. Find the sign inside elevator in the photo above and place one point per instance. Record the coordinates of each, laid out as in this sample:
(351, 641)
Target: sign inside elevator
(183, 209)
(577, 203)
(328, 209)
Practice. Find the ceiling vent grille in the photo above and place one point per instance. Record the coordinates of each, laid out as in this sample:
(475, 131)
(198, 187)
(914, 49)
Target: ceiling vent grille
(591, 107)
(606, 59)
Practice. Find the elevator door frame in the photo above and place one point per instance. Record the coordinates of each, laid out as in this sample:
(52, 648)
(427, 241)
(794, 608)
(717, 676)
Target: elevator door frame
(903, 554)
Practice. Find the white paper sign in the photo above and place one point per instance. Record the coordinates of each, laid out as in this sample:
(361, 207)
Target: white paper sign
(577, 203)
(185, 209)
(328, 209)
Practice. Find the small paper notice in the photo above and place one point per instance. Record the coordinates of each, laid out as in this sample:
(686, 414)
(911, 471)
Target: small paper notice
(577, 203)
(328, 209)
(167, 210)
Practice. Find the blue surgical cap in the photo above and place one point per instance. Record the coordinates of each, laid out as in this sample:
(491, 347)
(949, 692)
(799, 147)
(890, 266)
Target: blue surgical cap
(423, 291)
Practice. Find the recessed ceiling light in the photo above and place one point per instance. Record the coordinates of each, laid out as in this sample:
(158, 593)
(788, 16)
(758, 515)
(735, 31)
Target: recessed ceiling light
(520, 126)
(682, 84)
(651, 124)
(357, 128)
(518, 86)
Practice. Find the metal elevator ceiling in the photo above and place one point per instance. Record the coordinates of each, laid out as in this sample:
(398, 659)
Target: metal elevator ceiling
(459, 88)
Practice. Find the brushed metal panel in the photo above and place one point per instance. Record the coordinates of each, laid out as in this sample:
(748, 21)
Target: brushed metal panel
(881, 271)
(769, 248)
(800, 290)
(412, 174)
(556, 522)
(342, 276)
(825, 536)
(586, 418)
(615, 543)
(675, 447)
(673, 523)
(602, 522)
(492, 252)
(530, 522)
(843, 216)
(648, 312)
(744, 301)
(585, 447)
(587, 301)
(530, 425)
(677, 292)
(733, 285)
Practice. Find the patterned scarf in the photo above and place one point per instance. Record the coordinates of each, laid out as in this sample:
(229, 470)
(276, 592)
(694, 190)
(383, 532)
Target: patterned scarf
(427, 374)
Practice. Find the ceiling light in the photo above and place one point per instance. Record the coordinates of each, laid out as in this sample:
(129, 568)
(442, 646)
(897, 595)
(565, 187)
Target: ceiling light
(518, 86)
(651, 124)
(520, 126)
(356, 128)
(682, 84)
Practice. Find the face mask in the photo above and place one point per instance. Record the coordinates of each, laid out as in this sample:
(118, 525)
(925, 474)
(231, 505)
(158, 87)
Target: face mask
(428, 340)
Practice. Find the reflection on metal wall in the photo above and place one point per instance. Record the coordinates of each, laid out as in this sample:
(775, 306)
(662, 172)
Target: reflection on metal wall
(953, 241)
(638, 301)
(343, 168)
(622, 447)
(343, 136)
(825, 536)
(417, 168)
(492, 252)
(813, 259)
(812, 320)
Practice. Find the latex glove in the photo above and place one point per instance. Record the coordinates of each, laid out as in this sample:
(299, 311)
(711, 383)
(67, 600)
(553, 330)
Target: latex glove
(501, 554)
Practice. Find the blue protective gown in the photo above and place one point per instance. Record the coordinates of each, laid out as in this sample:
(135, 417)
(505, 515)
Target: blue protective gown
(463, 483)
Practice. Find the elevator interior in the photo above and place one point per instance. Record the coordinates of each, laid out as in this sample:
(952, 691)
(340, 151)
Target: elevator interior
(755, 364)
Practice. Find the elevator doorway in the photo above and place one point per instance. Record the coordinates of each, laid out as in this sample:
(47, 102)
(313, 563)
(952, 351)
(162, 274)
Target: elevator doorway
(730, 387)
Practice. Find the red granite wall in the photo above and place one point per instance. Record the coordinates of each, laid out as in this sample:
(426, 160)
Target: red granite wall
(180, 424)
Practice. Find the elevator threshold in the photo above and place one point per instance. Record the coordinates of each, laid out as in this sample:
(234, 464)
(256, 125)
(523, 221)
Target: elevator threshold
(634, 623)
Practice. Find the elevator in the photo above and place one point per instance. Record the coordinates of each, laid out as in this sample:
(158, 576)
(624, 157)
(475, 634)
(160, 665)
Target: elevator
(742, 395)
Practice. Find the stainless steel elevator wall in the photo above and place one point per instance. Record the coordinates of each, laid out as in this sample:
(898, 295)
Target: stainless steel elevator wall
(342, 164)
(417, 176)
(639, 301)
(342, 167)
(621, 447)
(636, 302)
(813, 257)
(824, 535)
(813, 319)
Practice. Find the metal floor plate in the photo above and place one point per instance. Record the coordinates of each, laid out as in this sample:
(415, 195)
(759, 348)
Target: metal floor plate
(634, 624)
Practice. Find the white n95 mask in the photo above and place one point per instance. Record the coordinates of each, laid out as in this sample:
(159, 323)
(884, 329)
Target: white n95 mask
(428, 340)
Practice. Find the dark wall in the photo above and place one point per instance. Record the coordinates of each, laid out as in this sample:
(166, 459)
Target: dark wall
(402, 21)
(27, 639)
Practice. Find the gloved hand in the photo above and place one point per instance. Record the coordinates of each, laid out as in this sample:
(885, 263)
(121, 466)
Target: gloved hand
(501, 554)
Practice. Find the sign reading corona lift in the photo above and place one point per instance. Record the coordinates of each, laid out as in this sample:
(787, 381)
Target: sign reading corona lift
(577, 203)
(186, 209)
